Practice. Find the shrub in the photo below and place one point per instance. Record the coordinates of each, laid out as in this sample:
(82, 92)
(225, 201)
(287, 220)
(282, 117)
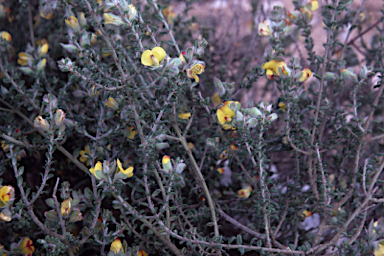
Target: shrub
(126, 133)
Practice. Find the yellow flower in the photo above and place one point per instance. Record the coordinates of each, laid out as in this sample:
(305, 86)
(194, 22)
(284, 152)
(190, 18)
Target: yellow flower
(234, 147)
(167, 165)
(281, 105)
(314, 5)
(83, 156)
(307, 73)
(128, 172)
(4, 146)
(273, 67)
(73, 23)
(112, 103)
(47, 16)
(379, 251)
(132, 133)
(184, 115)
(7, 194)
(191, 145)
(3, 248)
(66, 207)
(117, 246)
(263, 29)
(225, 115)
(196, 70)
(23, 58)
(142, 253)
(41, 123)
(244, 192)
(98, 168)
(153, 57)
(182, 57)
(27, 247)
(44, 48)
(216, 98)
(41, 64)
(6, 36)
(169, 14)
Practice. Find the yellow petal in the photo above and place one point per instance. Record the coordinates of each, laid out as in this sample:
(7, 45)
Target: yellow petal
(116, 246)
(119, 165)
(314, 5)
(221, 116)
(307, 73)
(44, 48)
(269, 65)
(98, 166)
(196, 78)
(166, 159)
(159, 53)
(146, 58)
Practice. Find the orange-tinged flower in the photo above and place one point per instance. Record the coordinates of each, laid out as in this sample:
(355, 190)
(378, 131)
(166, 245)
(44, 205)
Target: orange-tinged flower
(263, 29)
(234, 147)
(167, 165)
(117, 246)
(196, 70)
(23, 59)
(169, 14)
(142, 253)
(273, 67)
(153, 57)
(191, 145)
(225, 115)
(306, 213)
(245, 192)
(184, 115)
(6, 36)
(27, 247)
(220, 170)
(7, 194)
(307, 73)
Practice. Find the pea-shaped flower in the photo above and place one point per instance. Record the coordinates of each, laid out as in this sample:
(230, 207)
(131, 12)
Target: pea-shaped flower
(26, 246)
(263, 29)
(117, 246)
(123, 173)
(7, 194)
(6, 36)
(195, 70)
(307, 73)
(97, 171)
(153, 57)
(274, 67)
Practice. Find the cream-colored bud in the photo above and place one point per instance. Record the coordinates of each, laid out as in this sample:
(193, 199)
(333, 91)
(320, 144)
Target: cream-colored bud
(59, 117)
(41, 123)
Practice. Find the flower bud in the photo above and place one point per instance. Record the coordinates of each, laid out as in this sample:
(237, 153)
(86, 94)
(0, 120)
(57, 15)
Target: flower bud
(132, 12)
(73, 23)
(167, 165)
(41, 65)
(66, 207)
(41, 123)
(113, 19)
(6, 36)
(112, 103)
(6, 215)
(252, 122)
(263, 29)
(348, 74)
(59, 117)
(256, 112)
(328, 76)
